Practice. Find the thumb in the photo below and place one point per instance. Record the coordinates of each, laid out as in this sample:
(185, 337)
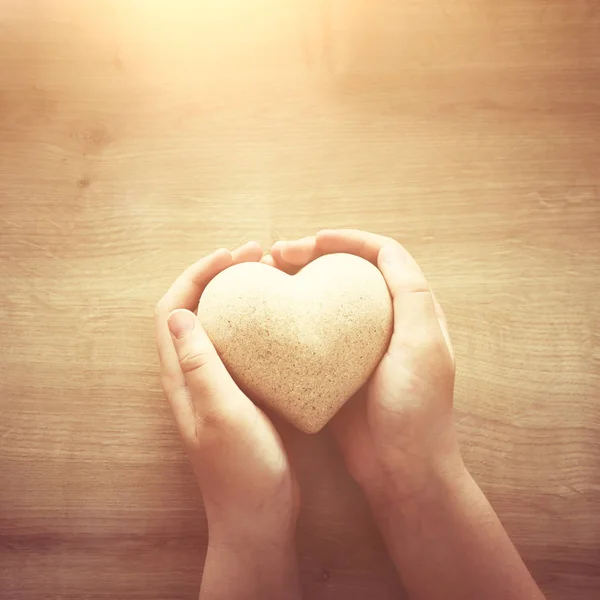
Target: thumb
(205, 375)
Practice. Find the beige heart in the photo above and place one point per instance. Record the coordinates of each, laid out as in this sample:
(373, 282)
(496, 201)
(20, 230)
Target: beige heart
(303, 344)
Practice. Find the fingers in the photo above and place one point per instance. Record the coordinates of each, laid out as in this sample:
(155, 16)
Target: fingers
(296, 252)
(276, 260)
(417, 315)
(185, 293)
(416, 322)
(352, 241)
(291, 256)
(249, 252)
(206, 379)
(267, 259)
(414, 303)
(401, 271)
(188, 287)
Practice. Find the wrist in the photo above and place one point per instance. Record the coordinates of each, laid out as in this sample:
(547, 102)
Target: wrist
(243, 545)
(257, 518)
(401, 490)
(264, 568)
(252, 540)
(256, 535)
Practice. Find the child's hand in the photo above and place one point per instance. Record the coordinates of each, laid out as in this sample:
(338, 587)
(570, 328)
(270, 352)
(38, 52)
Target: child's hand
(397, 434)
(249, 493)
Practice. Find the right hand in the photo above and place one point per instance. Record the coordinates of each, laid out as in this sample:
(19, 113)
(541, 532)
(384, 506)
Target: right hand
(397, 434)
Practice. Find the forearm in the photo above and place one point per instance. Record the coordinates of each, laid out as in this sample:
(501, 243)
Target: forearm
(251, 571)
(449, 543)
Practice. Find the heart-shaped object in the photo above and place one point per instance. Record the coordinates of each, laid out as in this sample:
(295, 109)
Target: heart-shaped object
(303, 344)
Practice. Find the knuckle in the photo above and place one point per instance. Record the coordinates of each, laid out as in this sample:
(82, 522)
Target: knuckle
(194, 359)
(211, 423)
(217, 426)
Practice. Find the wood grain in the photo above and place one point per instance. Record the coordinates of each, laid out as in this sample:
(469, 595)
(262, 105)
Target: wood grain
(136, 136)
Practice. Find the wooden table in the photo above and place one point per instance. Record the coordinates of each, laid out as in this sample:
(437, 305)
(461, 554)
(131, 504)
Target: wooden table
(137, 135)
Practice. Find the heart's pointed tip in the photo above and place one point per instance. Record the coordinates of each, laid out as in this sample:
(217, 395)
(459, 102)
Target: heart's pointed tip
(311, 429)
(310, 426)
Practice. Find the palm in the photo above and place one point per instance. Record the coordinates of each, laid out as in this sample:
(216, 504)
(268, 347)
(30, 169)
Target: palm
(252, 462)
(362, 426)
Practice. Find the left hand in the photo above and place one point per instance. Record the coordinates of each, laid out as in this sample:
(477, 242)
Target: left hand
(249, 492)
(397, 434)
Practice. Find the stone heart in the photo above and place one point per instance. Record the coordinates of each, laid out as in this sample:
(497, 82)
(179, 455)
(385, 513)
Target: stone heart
(302, 344)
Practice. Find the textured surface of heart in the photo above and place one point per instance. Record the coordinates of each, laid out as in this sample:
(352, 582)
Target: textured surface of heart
(302, 344)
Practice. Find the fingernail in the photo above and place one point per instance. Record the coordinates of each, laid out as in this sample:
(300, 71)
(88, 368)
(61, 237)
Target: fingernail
(181, 322)
(391, 255)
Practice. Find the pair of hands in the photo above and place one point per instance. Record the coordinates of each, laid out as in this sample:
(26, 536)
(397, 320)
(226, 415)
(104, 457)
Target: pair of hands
(396, 435)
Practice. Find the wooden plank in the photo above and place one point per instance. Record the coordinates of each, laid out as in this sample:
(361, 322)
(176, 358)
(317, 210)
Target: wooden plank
(137, 136)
